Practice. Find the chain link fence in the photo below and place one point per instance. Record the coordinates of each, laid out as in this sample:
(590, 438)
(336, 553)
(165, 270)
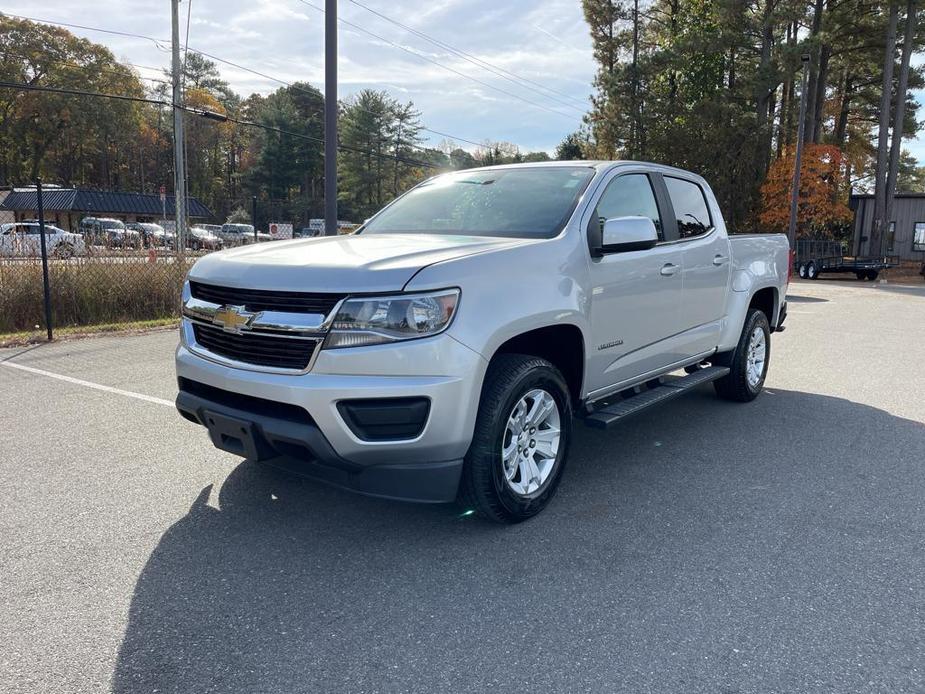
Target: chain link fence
(91, 290)
(105, 271)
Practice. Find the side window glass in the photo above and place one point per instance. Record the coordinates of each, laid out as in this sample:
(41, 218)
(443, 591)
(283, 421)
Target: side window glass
(629, 196)
(690, 207)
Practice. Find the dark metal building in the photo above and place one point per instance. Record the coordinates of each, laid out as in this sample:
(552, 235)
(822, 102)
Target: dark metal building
(65, 207)
(906, 235)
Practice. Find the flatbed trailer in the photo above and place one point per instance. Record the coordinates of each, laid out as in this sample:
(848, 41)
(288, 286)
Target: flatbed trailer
(813, 258)
(862, 268)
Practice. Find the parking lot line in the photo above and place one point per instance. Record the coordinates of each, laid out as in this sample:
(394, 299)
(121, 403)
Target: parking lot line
(88, 384)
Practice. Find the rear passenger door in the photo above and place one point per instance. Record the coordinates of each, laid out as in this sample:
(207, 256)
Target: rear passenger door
(705, 262)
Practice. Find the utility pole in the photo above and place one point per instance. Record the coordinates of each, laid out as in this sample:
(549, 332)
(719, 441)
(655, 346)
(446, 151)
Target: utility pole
(801, 130)
(330, 117)
(179, 161)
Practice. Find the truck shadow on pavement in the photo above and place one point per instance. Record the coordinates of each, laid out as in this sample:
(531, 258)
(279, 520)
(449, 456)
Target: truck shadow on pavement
(702, 547)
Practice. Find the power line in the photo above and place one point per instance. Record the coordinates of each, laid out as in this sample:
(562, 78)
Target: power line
(210, 115)
(159, 42)
(94, 67)
(512, 77)
(80, 92)
(160, 45)
(439, 64)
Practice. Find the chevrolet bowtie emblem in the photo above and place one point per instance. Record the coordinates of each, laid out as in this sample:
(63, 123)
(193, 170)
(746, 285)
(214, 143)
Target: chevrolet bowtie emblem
(233, 319)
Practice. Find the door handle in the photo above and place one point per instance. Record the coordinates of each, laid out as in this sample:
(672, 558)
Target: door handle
(668, 269)
(720, 259)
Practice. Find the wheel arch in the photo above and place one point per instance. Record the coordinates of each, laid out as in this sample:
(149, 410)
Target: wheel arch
(765, 297)
(767, 301)
(561, 344)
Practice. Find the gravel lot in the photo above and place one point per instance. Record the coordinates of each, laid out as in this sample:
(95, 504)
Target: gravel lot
(704, 547)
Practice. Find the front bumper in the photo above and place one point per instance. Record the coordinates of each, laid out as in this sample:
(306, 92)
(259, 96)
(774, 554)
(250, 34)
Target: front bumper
(423, 468)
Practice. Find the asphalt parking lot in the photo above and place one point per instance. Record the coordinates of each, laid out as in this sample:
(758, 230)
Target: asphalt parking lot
(706, 546)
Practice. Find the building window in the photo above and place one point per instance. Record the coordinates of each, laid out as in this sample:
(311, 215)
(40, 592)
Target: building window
(918, 237)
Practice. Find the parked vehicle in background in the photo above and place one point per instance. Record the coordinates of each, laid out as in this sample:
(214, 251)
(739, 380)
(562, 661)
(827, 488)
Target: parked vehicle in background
(307, 233)
(153, 235)
(316, 228)
(22, 239)
(200, 239)
(441, 351)
(112, 233)
(236, 234)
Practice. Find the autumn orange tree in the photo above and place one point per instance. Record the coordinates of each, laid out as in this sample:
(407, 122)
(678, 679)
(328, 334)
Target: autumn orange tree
(821, 209)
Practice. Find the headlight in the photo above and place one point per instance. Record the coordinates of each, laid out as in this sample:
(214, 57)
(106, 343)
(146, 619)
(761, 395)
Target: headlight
(375, 320)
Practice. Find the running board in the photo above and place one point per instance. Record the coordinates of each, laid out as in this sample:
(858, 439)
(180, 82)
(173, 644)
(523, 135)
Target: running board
(610, 414)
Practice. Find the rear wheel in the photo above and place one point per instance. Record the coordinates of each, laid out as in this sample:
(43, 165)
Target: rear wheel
(861, 275)
(872, 275)
(521, 440)
(748, 362)
(802, 271)
(812, 272)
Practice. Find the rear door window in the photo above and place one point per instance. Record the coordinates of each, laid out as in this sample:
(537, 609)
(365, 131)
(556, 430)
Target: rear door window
(690, 207)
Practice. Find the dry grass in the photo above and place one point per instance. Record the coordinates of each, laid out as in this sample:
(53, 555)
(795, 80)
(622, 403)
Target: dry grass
(28, 337)
(90, 291)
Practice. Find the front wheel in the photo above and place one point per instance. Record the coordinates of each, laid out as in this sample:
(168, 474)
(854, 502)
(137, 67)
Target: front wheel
(802, 271)
(521, 440)
(812, 272)
(748, 362)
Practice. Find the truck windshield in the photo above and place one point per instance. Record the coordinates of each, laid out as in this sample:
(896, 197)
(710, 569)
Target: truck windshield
(529, 202)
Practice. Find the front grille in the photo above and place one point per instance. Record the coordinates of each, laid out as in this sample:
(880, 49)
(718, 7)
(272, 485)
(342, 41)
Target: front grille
(266, 300)
(259, 349)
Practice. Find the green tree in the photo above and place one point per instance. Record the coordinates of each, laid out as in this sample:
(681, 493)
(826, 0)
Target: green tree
(380, 154)
(571, 148)
(65, 138)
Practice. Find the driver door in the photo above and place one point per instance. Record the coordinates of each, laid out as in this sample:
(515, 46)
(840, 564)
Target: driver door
(635, 295)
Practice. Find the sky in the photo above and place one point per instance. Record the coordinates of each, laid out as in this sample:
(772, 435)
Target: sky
(543, 41)
(544, 44)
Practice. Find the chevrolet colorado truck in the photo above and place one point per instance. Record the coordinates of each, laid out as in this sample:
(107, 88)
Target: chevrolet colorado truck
(444, 350)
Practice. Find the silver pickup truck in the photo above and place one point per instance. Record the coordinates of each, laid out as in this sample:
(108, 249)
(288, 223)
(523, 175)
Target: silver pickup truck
(444, 350)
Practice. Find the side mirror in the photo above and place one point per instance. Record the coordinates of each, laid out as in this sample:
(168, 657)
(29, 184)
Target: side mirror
(623, 234)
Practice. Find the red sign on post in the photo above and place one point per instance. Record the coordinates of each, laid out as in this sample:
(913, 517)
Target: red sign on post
(163, 194)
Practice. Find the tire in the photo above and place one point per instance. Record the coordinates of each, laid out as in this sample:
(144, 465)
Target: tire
(737, 385)
(861, 275)
(487, 487)
(801, 271)
(811, 271)
(872, 275)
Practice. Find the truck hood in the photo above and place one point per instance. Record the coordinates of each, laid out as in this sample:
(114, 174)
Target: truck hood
(355, 263)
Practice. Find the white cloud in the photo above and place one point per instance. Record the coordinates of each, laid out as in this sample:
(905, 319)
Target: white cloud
(284, 39)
